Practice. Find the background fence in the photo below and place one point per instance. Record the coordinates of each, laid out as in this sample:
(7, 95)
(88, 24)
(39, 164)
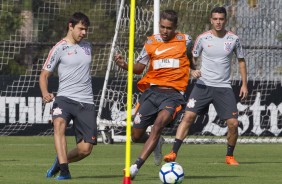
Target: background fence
(29, 29)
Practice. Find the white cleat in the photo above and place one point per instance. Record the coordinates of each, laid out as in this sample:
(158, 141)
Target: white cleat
(133, 171)
(158, 156)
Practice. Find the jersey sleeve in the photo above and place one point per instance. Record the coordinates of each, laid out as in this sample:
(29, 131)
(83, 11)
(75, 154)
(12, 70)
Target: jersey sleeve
(197, 49)
(238, 49)
(143, 57)
(52, 59)
(189, 43)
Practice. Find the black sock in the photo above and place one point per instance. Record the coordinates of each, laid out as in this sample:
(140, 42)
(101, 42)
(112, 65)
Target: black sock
(176, 145)
(230, 150)
(139, 162)
(57, 165)
(64, 169)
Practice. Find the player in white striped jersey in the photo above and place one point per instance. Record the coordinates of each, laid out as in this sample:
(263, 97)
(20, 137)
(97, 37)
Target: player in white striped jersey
(213, 84)
(74, 100)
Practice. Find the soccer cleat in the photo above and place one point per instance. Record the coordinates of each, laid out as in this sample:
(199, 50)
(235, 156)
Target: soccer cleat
(133, 171)
(230, 160)
(63, 177)
(158, 151)
(54, 169)
(171, 157)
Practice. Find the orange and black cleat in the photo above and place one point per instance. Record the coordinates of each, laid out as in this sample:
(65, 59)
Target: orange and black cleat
(171, 157)
(230, 160)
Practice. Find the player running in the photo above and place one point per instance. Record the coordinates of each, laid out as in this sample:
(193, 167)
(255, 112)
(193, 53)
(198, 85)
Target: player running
(163, 85)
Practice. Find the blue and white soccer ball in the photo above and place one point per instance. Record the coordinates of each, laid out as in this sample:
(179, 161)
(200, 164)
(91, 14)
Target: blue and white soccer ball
(171, 173)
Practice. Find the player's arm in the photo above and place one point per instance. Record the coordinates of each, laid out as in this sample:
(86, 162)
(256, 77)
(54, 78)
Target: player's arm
(194, 71)
(43, 83)
(48, 68)
(243, 71)
(197, 49)
(138, 68)
(189, 48)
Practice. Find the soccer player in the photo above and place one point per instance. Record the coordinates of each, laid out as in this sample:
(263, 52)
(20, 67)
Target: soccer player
(163, 85)
(216, 47)
(74, 100)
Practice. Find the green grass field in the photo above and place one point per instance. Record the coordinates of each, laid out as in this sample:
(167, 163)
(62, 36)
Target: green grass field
(24, 160)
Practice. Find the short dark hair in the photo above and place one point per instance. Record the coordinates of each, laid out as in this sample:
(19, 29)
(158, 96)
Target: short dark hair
(78, 17)
(170, 15)
(219, 10)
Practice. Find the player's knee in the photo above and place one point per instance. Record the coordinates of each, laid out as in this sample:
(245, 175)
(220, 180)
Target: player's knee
(139, 135)
(189, 118)
(232, 124)
(85, 152)
(135, 139)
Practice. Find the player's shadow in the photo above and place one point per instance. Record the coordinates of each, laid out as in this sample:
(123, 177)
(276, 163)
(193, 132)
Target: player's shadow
(190, 177)
(12, 160)
(243, 163)
(100, 176)
(211, 177)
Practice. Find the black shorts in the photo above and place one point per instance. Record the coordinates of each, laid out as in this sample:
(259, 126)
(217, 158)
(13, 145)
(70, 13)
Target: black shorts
(152, 101)
(223, 100)
(82, 114)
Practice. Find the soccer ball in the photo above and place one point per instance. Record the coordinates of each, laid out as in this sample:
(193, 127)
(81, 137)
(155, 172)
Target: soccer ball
(171, 173)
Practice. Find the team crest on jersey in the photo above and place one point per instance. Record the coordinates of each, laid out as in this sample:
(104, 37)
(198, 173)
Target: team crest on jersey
(227, 46)
(137, 118)
(179, 37)
(149, 41)
(86, 50)
(191, 103)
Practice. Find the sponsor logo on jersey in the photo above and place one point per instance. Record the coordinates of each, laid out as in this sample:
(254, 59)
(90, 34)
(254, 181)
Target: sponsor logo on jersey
(208, 37)
(229, 38)
(149, 41)
(159, 40)
(179, 37)
(71, 53)
(158, 52)
(65, 47)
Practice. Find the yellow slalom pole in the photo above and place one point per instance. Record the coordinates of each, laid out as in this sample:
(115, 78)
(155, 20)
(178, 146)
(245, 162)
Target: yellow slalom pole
(126, 179)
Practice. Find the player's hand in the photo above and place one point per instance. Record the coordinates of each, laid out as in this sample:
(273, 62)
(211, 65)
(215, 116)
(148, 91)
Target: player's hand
(195, 73)
(119, 60)
(243, 92)
(48, 97)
